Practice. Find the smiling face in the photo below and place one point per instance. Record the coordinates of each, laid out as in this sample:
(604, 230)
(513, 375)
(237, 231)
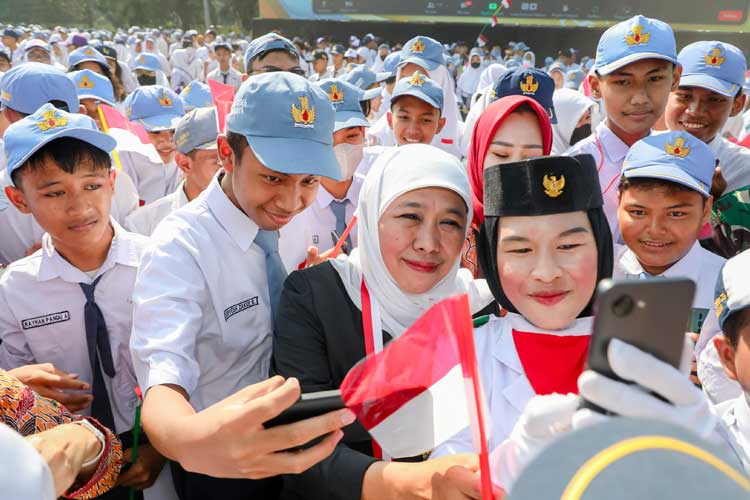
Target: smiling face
(661, 223)
(414, 121)
(547, 266)
(636, 95)
(163, 141)
(421, 234)
(700, 111)
(517, 138)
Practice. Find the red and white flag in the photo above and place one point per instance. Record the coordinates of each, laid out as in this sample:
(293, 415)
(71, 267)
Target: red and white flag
(482, 40)
(506, 4)
(423, 387)
(493, 22)
(223, 96)
(117, 120)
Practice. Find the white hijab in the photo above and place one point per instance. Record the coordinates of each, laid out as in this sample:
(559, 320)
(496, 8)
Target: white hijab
(570, 105)
(396, 172)
(491, 74)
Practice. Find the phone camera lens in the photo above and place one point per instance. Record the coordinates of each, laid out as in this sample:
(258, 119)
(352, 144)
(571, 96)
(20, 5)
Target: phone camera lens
(623, 306)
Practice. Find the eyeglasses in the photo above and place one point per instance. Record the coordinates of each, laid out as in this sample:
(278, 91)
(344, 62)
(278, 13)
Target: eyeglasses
(274, 69)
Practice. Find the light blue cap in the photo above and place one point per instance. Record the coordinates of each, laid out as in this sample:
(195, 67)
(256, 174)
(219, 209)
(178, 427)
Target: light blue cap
(420, 86)
(288, 122)
(674, 156)
(266, 43)
(423, 51)
(363, 77)
(732, 290)
(84, 54)
(91, 85)
(25, 137)
(574, 79)
(147, 61)
(198, 129)
(346, 99)
(716, 66)
(196, 94)
(155, 107)
(476, 51)
(390, 64)
(24, 88)
(633, 40)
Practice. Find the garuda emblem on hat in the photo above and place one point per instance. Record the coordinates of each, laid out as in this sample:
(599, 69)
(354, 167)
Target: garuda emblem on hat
(336, 95)
(678, 148)
(719, 303)
(5, 95)
(418, 46)
(51, 119)
(304, 116)
(165, 100)
(553, 187)
(85, 83)
(529, 86)
(714, 59)
(637, 36)
(89, 52)
(417, 79)
(141, 60)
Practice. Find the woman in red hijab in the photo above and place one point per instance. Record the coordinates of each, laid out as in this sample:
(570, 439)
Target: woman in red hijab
(509, 130)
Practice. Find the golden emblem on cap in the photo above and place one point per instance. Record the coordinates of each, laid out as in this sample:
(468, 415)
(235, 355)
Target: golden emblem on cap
(336, 95)
(714, 59)
(418, 46)
(304, 116)
(182, 138)
(553, 187)
(529, 86)
(4, 95)
(89, 52)
(187, 89)
(417, 79)
(678, 149)
(141, 60)
(637, 36)
(165, 100)
(719, 303)
(85, 83)
(51, 119)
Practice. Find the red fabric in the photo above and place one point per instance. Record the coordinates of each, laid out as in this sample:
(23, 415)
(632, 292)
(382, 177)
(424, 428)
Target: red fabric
(552, 363)
(484, 131)
(223, 96)
(744, 142)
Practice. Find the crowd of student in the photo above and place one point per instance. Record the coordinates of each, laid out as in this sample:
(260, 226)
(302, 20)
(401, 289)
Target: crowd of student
(159, 302)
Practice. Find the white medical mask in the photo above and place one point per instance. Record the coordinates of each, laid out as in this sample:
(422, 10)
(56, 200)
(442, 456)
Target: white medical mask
(349, 157)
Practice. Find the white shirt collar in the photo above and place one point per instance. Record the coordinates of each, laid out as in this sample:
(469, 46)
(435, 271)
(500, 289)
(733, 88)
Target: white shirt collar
(238, 226)
(687, 266)
(325, 198)
(612, 146)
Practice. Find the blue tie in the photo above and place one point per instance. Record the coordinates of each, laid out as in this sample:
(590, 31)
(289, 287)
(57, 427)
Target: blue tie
(97, 340)
(339, 211)
(275, 270)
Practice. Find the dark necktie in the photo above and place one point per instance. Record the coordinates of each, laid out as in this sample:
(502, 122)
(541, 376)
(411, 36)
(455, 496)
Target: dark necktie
(275, 270)
(225, 76)
(97, 340)
(339, 211)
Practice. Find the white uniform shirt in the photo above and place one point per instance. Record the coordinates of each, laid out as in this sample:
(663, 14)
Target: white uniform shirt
(734, 161)
(609, 153)
(735, 415)
(233, 77)
(51, 329)
(506, 388)
(335, 73)
(202, 318)
(321, 219)
(145, 219)
(153, 180)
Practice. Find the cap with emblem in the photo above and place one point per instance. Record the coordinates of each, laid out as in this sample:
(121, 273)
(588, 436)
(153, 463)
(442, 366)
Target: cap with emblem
(86, 54)
(421, 87)
(423, 51)
(673, 156)
(338, 49)
(350, 54)
(24, 88)
(155, 107)
(197, 130)
(531, 82)
(363, 77)
(732, 287)
(25, 137)
(633, 40)
(574, 79)
(346, 99)
(91, 85)
(288, 123)
(147, 62)
(108, 51)
(716, 66)
(196, 94)
(267, 43)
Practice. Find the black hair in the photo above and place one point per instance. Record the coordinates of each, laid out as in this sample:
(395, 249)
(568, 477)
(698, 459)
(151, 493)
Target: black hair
(394, 101)
(67, 153)
(55, 102)
(263, 55)
(648, 183)
(734, 324)
(390, 80)
(238, 143)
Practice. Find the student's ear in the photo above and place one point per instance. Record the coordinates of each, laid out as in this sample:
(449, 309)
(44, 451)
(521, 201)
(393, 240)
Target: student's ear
(676, 75)
(738, 105)
(184, 163)
(726, 355)
(707, 210)
(441, 124)
(82, 110)
(112, 178)
(18, 199)
(595, 85)
(389, 117)
(226, 155)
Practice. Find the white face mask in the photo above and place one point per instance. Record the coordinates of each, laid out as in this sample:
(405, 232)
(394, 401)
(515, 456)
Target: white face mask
(349, 156)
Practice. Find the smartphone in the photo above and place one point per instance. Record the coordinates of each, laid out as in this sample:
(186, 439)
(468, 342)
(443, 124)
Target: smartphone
(652, 315)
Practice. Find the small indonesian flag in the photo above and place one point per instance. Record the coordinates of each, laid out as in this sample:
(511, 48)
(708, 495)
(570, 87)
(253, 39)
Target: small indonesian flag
(506, 4)
(482, 40)
(223, 96)
(744, 142)
(494, 21)
(117, 120)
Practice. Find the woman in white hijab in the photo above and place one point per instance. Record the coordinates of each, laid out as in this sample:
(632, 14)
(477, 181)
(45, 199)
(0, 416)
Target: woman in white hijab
(573, 110)
(414, 211)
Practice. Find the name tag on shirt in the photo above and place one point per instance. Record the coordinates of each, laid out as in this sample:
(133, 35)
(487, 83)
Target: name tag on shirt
(49, 319)
(238, 308)
(697, 317)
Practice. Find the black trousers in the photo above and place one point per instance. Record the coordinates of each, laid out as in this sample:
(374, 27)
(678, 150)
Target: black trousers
(192, 486)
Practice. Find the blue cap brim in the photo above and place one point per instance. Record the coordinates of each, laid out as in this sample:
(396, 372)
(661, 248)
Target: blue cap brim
(146, 68)
(96, 97)
(371, 94)
(614, 66)
(419, 95)
(419, 61)
(381, 77)
(670, 173)
(296, 156)
(723, 87)
(348, 119)
(551, 114)
(158, 123)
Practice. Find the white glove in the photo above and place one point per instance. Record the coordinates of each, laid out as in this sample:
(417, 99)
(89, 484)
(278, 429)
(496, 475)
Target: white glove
(544, 419)
(689, 406)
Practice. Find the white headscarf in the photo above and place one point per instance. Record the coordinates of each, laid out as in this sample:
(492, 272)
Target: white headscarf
(570, 106)
(491, 75)
(399, 171)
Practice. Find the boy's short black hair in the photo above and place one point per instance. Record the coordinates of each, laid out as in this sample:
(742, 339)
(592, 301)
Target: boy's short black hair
(67, 153)
(238, 143)
(394, 101)
(648, 183)
(734, 324)
(263, 55)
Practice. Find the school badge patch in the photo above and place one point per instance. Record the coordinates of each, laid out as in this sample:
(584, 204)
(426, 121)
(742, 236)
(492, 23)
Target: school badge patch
(637, 36)
(553, 187)
(52, 119)
(678, 149)
(304, 115)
